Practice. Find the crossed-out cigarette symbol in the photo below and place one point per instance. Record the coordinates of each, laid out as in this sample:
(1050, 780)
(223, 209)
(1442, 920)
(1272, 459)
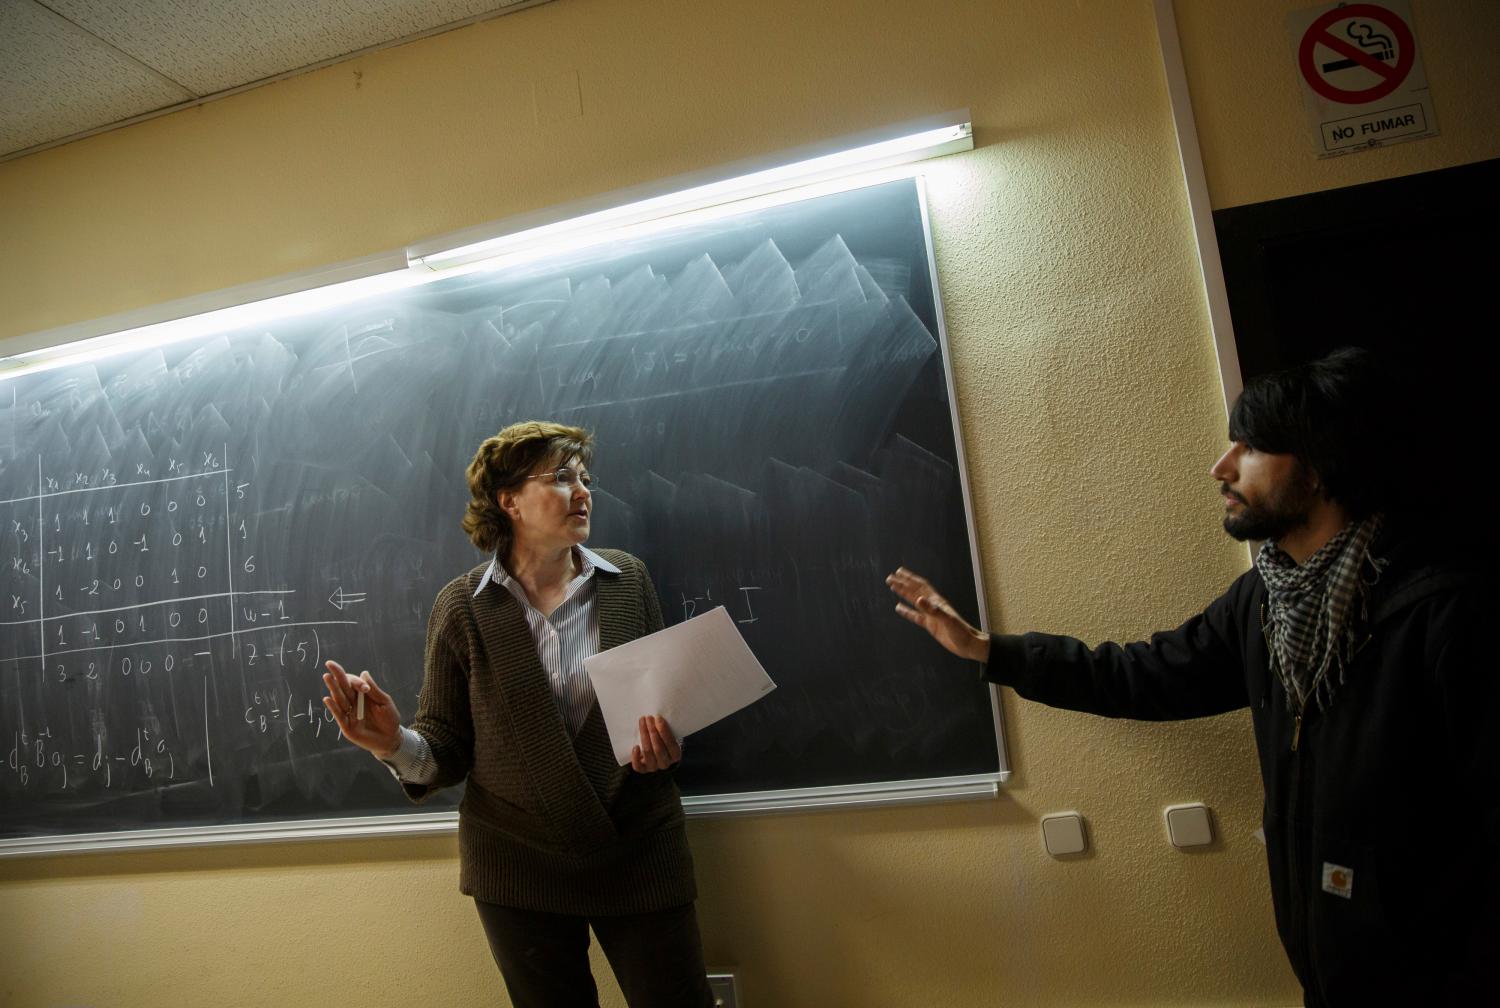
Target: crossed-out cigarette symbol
(1365, 36)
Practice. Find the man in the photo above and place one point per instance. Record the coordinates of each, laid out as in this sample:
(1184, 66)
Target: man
(1358, 650)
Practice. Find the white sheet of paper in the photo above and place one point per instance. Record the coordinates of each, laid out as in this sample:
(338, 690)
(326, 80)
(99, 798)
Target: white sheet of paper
(692, 674)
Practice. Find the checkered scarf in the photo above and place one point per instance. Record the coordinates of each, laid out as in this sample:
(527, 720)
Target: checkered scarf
(1311, 630)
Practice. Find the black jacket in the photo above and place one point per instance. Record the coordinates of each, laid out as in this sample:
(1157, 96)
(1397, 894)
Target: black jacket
(1399, 780)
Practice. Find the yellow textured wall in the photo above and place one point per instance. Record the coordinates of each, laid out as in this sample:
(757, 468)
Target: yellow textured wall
(1091, 409)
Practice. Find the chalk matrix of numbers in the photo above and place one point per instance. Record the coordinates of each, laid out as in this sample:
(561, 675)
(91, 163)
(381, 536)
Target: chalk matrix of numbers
(141, 585)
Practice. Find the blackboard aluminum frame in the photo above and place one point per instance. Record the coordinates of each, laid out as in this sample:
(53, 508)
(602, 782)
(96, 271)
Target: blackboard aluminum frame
(942, 789)
(415, 824)
(935, 790)
(957, 785)
(446, 823)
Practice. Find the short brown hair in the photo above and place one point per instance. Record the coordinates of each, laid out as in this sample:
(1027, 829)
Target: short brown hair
(504, 461)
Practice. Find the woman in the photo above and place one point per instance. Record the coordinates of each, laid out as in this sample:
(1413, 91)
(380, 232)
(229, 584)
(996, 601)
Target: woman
(554, 836)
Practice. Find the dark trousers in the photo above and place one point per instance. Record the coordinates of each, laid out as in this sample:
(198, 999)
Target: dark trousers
(544, 958)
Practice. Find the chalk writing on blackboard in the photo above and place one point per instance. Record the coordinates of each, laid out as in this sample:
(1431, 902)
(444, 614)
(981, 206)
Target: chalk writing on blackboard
(109, 579)
(187, 531)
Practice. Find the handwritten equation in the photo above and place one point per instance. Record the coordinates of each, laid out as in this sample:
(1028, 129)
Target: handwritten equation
(740, 603)
(137, 616)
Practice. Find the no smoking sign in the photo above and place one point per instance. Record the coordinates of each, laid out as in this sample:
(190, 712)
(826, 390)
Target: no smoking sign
(1362, 77)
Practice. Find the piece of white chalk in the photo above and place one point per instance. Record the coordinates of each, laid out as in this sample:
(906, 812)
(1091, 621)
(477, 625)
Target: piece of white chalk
(359, 713)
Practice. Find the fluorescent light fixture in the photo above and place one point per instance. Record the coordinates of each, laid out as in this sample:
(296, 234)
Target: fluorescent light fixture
(565, 241)
(620, 215)
(601, 218)
(221, 320)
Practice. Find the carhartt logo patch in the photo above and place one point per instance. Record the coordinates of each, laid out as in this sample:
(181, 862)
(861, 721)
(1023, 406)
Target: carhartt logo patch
(1338, 880)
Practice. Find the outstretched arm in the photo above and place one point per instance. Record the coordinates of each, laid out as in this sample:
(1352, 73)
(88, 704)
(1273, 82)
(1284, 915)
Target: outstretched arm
(1193, 671)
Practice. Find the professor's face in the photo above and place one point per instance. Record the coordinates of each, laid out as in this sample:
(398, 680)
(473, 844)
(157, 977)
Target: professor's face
(1266, 494)
(552, 507)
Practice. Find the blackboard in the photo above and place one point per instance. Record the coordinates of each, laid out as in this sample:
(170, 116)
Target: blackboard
(190, 530)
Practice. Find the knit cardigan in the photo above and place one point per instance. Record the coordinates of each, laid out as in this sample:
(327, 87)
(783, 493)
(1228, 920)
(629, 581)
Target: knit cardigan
(548, 822)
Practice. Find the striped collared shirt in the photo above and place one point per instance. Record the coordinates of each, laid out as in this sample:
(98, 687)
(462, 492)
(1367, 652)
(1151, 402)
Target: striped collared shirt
(563, 640)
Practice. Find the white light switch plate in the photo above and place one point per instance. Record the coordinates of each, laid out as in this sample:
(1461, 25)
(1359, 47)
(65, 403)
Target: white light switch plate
(1189, 825)
(1062, 834)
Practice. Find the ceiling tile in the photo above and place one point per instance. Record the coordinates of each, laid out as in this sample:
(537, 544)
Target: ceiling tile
(56, 80)
(214, 46)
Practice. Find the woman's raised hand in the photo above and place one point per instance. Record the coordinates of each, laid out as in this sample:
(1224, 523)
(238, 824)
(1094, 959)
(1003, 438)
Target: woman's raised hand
(921, 604)
(379, 731)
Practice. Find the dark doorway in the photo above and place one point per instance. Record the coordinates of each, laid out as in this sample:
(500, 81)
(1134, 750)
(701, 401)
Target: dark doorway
(1406, 267)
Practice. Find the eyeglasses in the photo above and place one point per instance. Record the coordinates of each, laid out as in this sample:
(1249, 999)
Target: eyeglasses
(568, 476)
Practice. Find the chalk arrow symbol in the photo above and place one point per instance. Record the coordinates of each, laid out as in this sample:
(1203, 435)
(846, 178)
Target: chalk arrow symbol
(339, 599)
